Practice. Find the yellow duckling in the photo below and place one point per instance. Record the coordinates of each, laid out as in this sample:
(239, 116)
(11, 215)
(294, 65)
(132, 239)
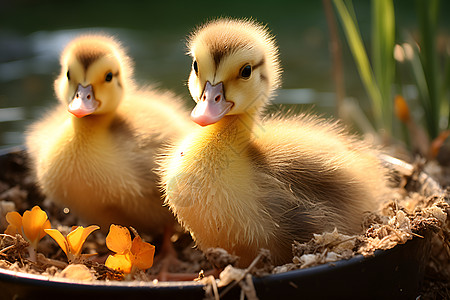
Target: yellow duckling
(243, 183)
(95, 152)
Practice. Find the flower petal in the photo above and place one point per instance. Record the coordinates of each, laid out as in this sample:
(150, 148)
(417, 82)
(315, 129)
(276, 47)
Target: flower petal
(119, 262)
(14, 218)
(118, 239)
(78, 236)
(142, 253)
(11, 230)
(59, 238)
(47, 225)
(33, 221)
(87, 231)
(74, 240)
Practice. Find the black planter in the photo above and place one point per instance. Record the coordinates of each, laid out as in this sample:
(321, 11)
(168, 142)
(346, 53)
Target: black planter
(390, 274)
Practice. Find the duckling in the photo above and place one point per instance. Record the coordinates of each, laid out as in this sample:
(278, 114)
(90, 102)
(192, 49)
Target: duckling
(95, 152)
(243, 182)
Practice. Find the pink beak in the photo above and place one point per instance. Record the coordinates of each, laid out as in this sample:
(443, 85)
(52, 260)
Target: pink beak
(83, 103)
(212, 105)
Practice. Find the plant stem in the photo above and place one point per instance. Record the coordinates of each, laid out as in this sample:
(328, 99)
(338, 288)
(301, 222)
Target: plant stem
(428, 15)
(445, 90)
(32, 253)
(336, 55)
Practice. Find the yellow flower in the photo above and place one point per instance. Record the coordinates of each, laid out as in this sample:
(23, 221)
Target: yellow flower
(31, 225)
(73, 243)
(130, 255)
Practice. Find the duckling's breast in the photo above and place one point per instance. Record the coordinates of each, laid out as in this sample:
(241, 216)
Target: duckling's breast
(100, 180)
(211, 189)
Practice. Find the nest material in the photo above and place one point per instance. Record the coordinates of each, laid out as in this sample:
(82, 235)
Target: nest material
(414, 207)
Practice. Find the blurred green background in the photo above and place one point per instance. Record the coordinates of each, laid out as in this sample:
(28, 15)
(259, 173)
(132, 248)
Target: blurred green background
(33, 33)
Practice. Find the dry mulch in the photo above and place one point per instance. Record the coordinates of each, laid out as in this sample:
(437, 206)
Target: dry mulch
(413, 207)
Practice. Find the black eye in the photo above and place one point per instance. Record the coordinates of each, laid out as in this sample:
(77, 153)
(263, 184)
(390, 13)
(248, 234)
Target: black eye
(195, 66)
(246, 71)
(109, 77)
(68, 75)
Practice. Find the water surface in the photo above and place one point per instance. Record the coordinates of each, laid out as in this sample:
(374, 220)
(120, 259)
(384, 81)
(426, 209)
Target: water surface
(33, 33)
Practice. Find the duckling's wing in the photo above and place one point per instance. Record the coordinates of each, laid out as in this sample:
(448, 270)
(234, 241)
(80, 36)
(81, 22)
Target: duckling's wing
(313, 177)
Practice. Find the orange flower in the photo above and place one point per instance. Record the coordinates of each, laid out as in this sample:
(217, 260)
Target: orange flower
(130, 255)
(437, 143)
(31, 226)
(73, 243)
(401, 109)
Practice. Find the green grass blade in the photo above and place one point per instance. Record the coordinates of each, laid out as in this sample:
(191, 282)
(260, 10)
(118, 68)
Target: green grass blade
(445, 91)
(421, 81)
(362, 61)
(428, 16)
(383, 39)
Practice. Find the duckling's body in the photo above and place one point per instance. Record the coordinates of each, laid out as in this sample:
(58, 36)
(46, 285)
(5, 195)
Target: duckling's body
(243, 183)
(100, 165)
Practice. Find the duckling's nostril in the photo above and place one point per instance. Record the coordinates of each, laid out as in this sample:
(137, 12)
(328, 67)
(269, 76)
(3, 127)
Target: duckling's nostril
(88, 96)
(204, 97)
(217, 99)
(78, 95)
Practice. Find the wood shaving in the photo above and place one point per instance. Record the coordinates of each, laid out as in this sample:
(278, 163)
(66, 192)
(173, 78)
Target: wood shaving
(76, 272)
(220, 258)
(406, 214)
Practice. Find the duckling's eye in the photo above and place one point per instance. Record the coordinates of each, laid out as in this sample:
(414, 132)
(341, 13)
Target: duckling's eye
(68, 75)
(195, 66)
(246, 71)
(109, 77)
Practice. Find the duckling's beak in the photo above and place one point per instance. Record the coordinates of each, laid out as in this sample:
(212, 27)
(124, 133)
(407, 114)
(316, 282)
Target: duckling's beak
(212, 105)
(83, 103)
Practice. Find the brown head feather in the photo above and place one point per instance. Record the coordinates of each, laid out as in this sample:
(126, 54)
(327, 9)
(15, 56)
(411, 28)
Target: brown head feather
(86, 56)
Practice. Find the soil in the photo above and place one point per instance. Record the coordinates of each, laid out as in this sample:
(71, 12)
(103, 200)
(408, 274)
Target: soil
(414, 207)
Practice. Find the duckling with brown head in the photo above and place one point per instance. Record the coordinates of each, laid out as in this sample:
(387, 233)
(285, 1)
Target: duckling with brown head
(95, 152)
(242, 182)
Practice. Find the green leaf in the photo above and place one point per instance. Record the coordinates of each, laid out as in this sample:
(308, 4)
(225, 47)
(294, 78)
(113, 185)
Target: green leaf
(356, 45)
